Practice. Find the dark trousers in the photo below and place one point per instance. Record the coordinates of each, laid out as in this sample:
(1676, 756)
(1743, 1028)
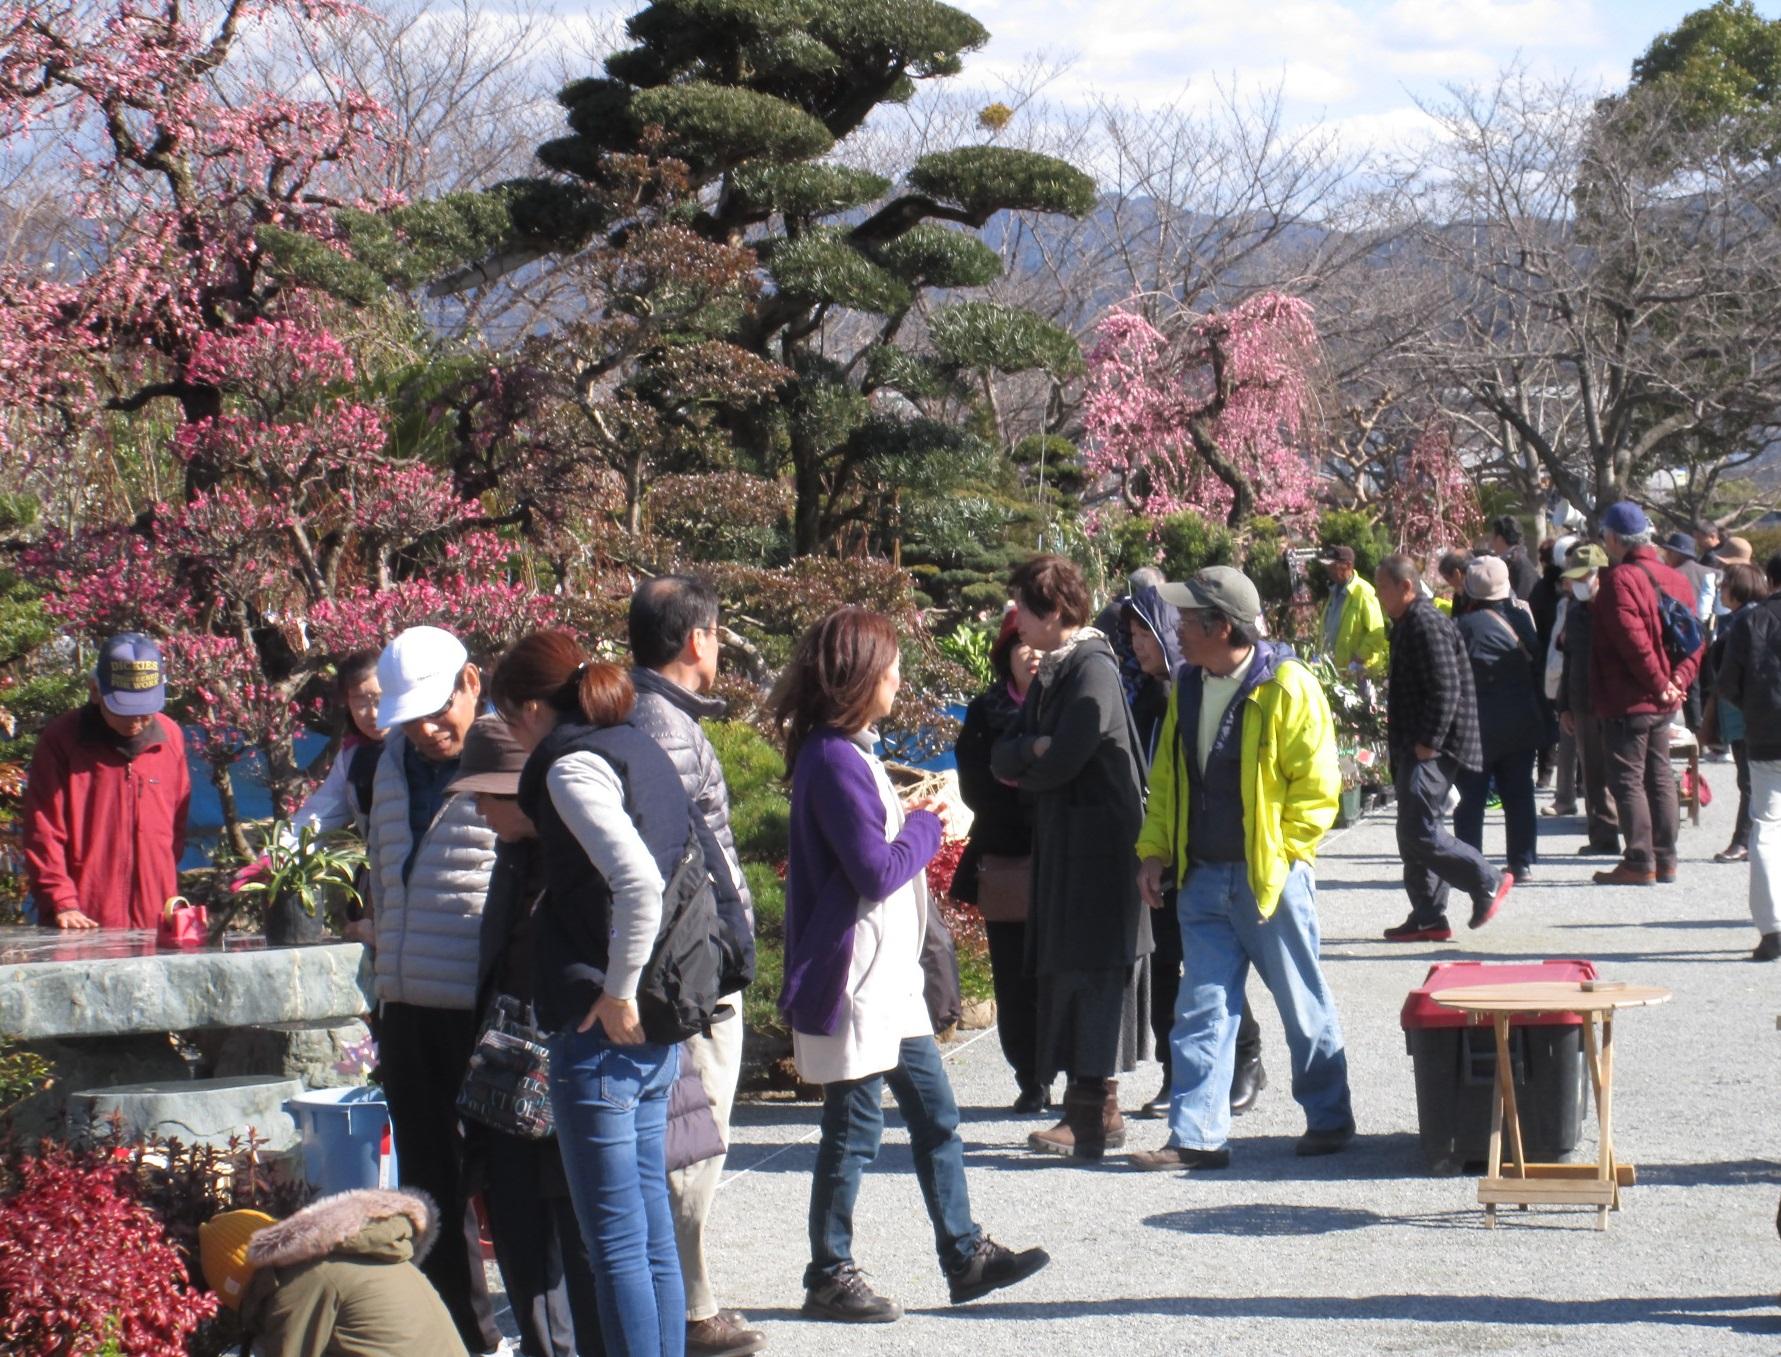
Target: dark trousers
(1165, 985)
(1514, 778)
(1017, 1001)
(1598, 802)
(852, 1126)
(1741, 829)
(422, 1054)
(1644, 788)
(1433, 859)
(538, 1244)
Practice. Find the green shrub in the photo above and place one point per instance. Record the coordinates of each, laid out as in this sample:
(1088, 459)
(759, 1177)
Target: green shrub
(1191, 542)
(1266, 561)
(760, 1003)
(1351, 528)
(760, 810)
(760, 817)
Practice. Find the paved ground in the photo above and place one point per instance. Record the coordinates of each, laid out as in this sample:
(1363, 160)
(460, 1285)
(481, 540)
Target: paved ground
(1364, 1252)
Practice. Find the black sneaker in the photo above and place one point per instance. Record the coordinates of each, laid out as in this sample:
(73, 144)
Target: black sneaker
(845, 1297)
(991, 1268)
(1769, 949)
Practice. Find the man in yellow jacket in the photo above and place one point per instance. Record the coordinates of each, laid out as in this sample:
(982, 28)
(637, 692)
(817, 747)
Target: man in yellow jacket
(1354, 635)
(1242, 789)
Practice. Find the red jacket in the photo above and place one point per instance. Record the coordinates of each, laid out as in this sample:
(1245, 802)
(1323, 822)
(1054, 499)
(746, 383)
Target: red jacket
(104, 831)
(1628, 669)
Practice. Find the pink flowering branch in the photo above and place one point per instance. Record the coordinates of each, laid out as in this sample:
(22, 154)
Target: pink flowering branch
(1212, 418)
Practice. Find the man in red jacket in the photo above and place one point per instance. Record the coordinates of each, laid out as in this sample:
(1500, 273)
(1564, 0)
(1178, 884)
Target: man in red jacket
(106, 799)
(1637, 692)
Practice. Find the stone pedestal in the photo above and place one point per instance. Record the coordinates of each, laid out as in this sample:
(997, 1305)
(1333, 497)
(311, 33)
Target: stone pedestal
(309, 1051)
(194, 1111)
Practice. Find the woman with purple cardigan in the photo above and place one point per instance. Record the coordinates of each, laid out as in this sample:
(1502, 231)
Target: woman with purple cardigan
(856, 907)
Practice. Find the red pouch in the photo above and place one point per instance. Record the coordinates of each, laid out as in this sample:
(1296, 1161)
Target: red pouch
(1706, 792)
(183, 924)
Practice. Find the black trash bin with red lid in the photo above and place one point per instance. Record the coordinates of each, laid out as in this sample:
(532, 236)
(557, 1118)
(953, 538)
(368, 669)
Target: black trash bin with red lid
(1455, 1060)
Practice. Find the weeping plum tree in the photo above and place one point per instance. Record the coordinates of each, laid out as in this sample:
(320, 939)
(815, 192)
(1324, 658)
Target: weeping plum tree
(1434, 501)
(754, 97)
(1209, 417)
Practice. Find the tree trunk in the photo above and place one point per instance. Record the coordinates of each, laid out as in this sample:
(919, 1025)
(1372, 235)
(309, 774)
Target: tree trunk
(1242, 492)
(807, 509)
(634, 495)
(225, 795)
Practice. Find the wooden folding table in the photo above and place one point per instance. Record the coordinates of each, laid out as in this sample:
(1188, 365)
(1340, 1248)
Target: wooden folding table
(1519, 1182)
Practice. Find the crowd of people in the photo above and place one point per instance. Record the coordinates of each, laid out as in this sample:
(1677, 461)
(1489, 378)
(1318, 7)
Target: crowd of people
(1149, 788)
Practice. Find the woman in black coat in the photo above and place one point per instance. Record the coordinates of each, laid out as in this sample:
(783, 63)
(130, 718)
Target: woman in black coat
(995, 870)
(1076, 751)
(1502, 643)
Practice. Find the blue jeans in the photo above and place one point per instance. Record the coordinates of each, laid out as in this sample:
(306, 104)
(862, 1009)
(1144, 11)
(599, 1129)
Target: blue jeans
(852, 1125)
(611, 1106)
(1222, 935)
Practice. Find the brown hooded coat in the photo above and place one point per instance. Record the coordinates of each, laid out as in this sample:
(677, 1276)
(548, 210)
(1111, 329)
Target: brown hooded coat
(338, 1279)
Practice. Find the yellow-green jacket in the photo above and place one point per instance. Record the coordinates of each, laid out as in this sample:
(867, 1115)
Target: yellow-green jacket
(1290, 779)
(1361, 634)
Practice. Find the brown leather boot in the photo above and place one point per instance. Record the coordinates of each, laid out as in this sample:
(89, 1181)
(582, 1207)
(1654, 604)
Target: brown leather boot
(1061, 1139)
(1109, 1127)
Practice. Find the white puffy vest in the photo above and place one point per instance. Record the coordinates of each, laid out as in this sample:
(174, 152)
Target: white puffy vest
(427, 927)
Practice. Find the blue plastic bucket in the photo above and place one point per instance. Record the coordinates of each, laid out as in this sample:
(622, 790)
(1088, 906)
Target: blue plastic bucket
(344, 1134)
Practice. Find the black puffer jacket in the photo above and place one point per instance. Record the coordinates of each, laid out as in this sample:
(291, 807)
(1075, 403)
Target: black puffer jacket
(1750, 677)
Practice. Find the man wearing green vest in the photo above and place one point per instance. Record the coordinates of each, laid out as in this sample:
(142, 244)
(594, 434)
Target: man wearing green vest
(1354, 635)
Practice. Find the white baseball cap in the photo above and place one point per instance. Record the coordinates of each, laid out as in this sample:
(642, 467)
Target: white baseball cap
(418, 672)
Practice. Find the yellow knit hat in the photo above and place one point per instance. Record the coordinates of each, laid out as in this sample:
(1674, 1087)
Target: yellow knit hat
(222, 1249)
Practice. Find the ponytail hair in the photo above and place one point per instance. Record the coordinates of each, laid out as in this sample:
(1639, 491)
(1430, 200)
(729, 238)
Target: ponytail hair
(832, 676)
(549, 667)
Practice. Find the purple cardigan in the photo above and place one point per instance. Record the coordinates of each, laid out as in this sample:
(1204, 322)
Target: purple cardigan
(839, 858)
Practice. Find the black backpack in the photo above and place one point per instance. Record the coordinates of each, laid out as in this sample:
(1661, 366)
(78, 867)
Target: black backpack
(679, 988)
(1681, 629)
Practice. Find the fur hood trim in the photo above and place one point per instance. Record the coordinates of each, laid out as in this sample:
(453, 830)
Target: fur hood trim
(323, 1226)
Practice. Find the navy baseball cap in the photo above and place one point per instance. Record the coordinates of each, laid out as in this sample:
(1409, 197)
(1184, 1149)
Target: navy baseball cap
(132, 676)
(1625, 519)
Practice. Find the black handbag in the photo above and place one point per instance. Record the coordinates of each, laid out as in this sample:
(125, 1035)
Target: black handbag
(507, 1085)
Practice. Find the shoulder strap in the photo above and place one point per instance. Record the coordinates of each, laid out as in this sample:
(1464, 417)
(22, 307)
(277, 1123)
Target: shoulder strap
(1507, 626)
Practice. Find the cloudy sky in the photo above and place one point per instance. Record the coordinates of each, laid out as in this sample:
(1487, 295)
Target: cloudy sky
(1361, 64)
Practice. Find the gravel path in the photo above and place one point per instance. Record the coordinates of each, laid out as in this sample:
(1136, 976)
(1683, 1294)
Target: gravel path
(1362, 1252)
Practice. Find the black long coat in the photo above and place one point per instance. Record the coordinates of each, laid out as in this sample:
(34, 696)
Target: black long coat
(1087, 811)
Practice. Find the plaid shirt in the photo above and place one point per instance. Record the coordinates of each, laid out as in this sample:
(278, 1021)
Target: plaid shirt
(1431, 701)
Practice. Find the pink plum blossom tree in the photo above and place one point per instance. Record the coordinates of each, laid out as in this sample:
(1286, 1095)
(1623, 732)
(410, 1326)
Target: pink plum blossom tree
(1435, 503)
(1210, 415)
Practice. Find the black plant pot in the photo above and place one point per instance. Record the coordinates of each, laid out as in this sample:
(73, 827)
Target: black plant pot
(288, 922)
